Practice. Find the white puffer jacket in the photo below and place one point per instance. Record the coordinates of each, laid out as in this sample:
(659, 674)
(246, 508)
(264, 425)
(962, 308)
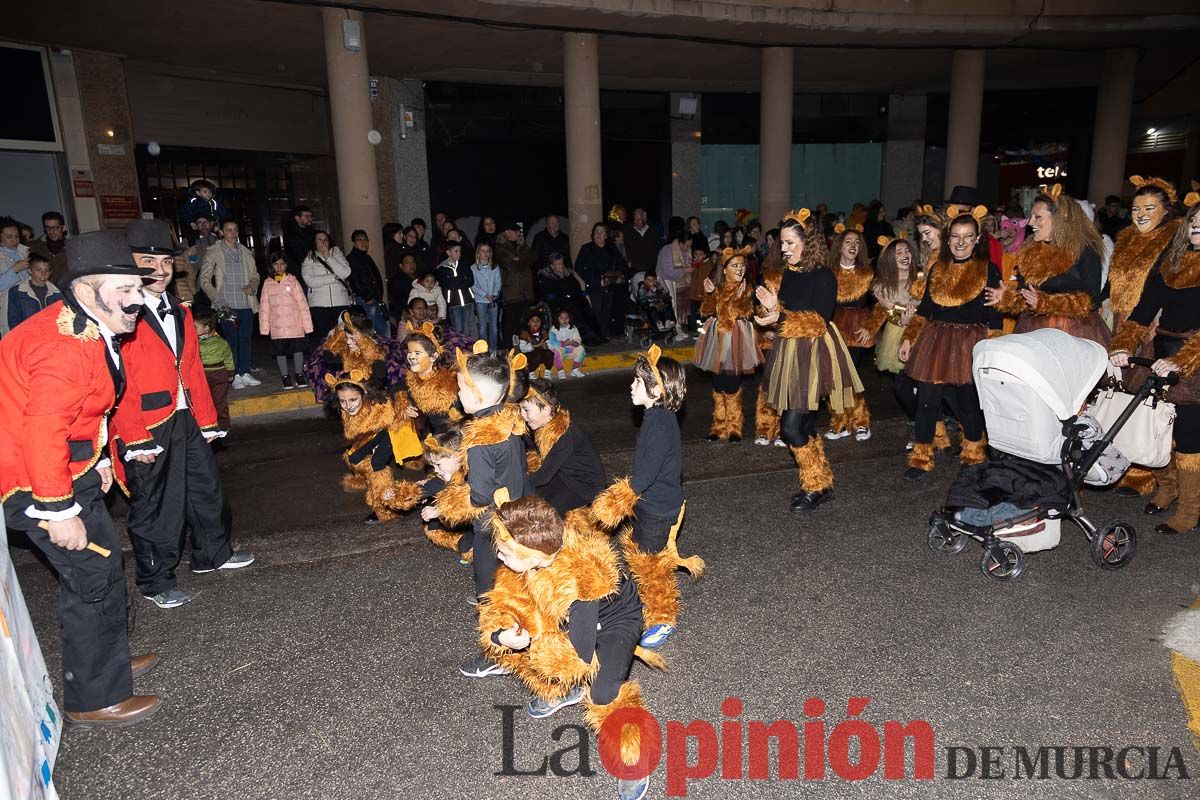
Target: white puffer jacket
(326, 287)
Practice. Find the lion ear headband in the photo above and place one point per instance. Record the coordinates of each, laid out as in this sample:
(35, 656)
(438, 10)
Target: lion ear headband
(839, 229)
(978, 212)
(730, 253)
(884, 241)
(429, 332)
(799, 215)
(355, 377)
(460, 358)
(500, 533)
(1138, 182)
(1191, 200)
(652, 357)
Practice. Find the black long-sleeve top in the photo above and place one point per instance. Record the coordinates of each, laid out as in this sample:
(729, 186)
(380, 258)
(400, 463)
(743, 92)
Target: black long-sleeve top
(1084, 276)
(364, 276)
(815, 290)
(491, 466)
(658, 464)
(972, 312)
(571, 474)
(1180, 307)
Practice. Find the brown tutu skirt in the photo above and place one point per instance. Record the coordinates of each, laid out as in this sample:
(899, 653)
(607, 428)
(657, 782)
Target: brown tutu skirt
(849, 320)
(800, 372)
(1089, 327)
(1184, 393)
(942, 353)
(734, 352)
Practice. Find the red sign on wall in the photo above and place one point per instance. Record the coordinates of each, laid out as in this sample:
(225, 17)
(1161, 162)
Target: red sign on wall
(84, 188)
(119, 206)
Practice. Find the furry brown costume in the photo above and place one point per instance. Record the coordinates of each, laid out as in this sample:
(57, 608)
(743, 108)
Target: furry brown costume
(1039, 262)
(814, 471)
(766, 418)
(454, 502)
(357, 349)
(654, 572)
(802, 325)
(359, 430)
(435, 393)
(1133, 257)
(727, 305)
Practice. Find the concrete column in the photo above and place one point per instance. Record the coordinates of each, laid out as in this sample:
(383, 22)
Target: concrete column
(403, 162)
(350, 118)
(686, 189)
(775, 135)
(966, 113)
(581, 104)
(904, 153)
(1110, 140)
(108, 131)
(75, 143)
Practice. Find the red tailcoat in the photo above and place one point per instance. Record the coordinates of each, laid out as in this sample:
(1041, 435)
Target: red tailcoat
(154, 375)
(56, 392)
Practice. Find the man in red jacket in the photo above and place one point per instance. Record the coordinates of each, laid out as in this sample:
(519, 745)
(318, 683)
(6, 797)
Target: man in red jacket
(164, 426)
(62, 377)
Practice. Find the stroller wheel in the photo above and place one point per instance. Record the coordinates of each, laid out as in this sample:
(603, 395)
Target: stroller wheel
(646, 342)
(1003, 561)
(1114, 544)
(945, 540)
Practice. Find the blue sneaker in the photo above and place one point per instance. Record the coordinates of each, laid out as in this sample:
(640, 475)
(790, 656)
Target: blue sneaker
(656, 635)
(633, 790)
(540, 709)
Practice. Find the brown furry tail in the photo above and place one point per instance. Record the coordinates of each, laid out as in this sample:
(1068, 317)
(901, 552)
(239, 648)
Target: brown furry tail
(1138, 479)
(651, 658)
(614, 504)
(454, 505)
(401, 496)
(443, 538)
(377, 485)
(624, 744)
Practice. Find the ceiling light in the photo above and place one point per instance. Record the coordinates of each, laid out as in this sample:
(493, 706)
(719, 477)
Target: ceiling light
(1151, 131)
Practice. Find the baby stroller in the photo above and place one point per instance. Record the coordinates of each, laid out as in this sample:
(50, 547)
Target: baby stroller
(638, 326)
(1031, 387)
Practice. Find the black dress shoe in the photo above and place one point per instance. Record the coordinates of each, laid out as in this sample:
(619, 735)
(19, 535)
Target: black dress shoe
(1167, 530)
(734, 437)
(1152, 510)
(914, 474)
(712, 437)
(808, 501)
(1125, 491)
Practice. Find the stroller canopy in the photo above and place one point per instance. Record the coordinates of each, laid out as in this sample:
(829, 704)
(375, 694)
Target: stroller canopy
(1062, 369)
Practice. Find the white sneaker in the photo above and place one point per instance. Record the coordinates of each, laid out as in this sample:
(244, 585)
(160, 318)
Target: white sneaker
(562, 375)
(862, 434)
(762, 441)
(250, 380)
(835, 435)
(238, 382)
(577, 373)
(780, 443)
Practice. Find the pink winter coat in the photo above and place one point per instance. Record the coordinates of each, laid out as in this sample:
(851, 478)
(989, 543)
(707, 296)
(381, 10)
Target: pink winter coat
(283, 311)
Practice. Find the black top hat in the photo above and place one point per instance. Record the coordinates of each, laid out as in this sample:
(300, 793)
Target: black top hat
(508, 225)
(151, 237)
(100, 253)
(963, 196)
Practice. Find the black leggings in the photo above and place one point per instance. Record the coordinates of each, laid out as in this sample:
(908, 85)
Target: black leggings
(961, 399)
(725, 383)
(797, 427)
(1187, 429)
(860, 357)
(905, 389)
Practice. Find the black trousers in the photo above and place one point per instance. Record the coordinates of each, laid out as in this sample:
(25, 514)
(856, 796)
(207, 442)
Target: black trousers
(961, 399)
(905, 389)
(615, 642)
(324, 319)
(1187, 428)
(91, 601)
(797, 427)
(650, 533)
(484, 561)
(725, 383)
(512, 319)
(181, 485)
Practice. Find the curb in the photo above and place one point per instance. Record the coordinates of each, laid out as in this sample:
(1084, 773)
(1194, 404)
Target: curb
(297, 399)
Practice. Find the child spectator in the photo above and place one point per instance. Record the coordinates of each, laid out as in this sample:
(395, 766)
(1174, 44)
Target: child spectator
(427, 289)
(655, 303)
(284, 316)
(217, 359)
(33, 293)
(487, 294)
(457, 280)
(567, 345)
(202, 199)
(535, 344)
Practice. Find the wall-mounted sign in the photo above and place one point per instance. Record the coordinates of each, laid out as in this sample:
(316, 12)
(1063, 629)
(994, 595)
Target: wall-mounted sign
(119, 206)
(84, 188)
(1057, 171)
(110, 149)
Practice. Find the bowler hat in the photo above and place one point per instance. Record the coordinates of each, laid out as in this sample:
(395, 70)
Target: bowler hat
(100, 253)
(963, 196)
(151, 237)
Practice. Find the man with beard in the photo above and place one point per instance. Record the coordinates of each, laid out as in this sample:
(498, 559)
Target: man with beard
(63, 376)
(165, 425)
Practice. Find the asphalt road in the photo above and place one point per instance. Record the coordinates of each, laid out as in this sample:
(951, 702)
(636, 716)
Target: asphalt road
(328, 669)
